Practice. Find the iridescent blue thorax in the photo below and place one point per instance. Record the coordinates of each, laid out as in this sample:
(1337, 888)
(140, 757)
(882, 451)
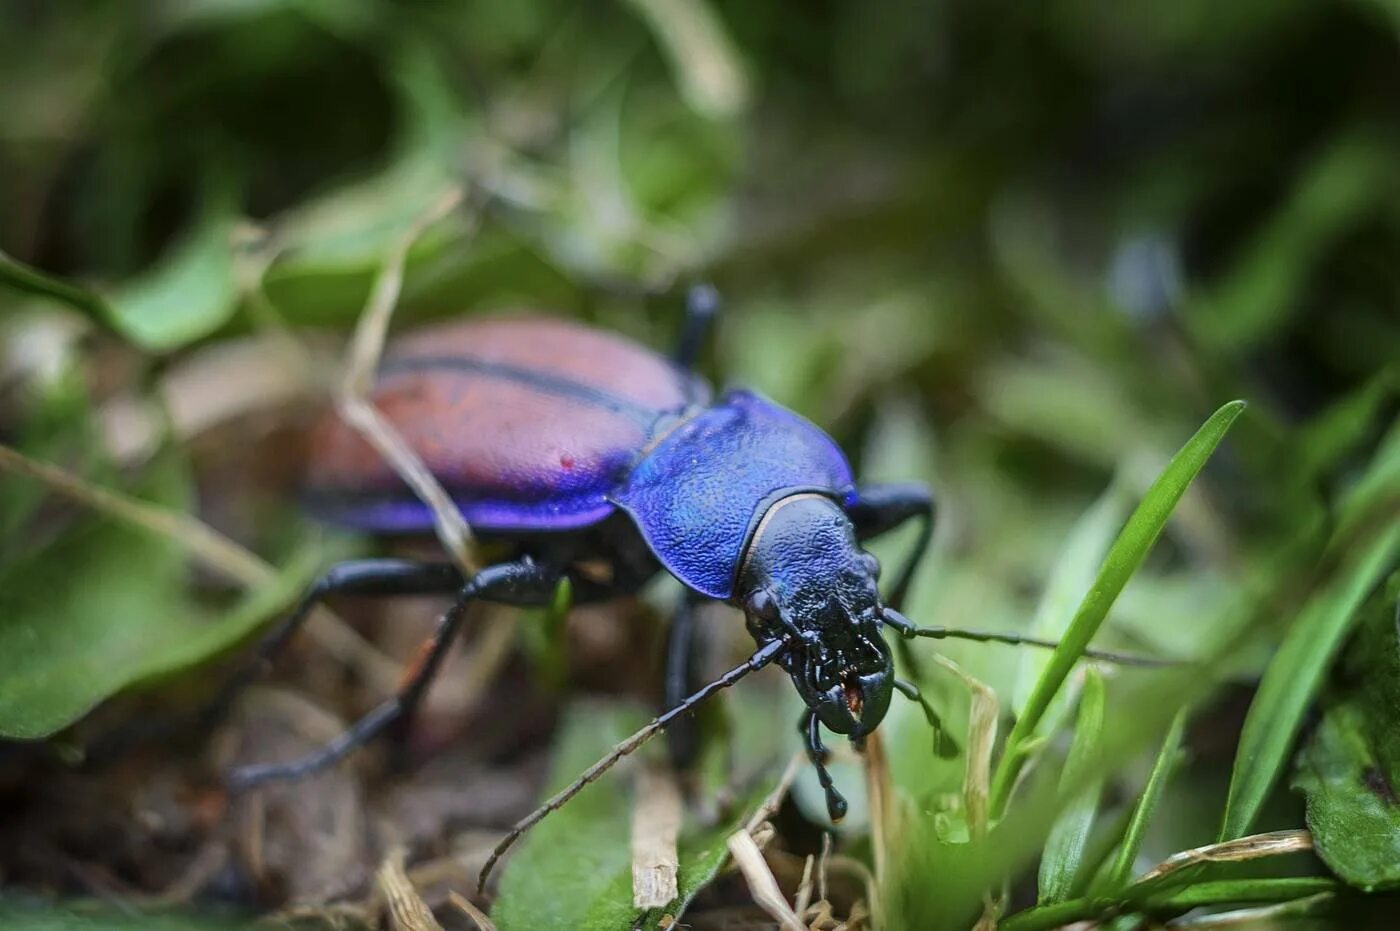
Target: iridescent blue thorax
(698, 496)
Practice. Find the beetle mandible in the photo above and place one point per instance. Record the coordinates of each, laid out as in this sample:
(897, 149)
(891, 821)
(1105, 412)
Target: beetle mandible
(579, 451)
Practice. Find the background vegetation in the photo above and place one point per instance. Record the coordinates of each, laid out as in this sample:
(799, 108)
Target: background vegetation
(1018, 251)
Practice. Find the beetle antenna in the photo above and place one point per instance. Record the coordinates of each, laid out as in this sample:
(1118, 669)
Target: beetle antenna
(909, 631)
(765, 655)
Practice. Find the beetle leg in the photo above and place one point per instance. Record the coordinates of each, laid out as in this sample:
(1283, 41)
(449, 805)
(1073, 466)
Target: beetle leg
(817, 754)
(880, 508)
(943, 744)
(362, 577)
(682, 677)
(701, 307)
(522, 582)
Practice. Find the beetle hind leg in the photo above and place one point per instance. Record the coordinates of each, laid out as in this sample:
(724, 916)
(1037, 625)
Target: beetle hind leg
(701, 307)
(523, 582)
(358, 577)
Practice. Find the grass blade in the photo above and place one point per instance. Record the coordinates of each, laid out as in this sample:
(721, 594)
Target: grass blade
(1294, 675)
(30, 280)
(1147, 804)
(1226, 891)
(1083, 781)
(1083, 552)
(1123, 559)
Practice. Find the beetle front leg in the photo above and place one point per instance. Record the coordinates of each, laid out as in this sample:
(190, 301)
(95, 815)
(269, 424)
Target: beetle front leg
(519, 583)
(880, 508)
(817, 755)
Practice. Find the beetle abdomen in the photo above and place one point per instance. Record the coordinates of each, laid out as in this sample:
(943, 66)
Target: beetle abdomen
(528, 422)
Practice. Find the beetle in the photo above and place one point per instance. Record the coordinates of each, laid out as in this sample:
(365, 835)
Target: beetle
(588, 457)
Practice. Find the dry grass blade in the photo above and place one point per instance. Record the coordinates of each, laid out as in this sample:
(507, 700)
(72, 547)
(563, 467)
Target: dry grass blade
(359, 413)
(804, 888)
(407, 910)
(211, 549)
(1272, 844)
(656, 825)
(823, 862)
(982, 735)
(775, 798)
(373, 326)
(466, 907)
(762, 886)
(878, 788)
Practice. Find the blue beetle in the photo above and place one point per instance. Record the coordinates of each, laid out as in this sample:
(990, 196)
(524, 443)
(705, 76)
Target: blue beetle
(584, 456)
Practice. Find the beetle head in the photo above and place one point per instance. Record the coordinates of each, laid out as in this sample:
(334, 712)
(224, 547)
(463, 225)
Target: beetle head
(806, 578)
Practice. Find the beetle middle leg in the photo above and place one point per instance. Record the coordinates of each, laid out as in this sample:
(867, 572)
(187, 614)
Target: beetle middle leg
(682, 676)
(523, 582)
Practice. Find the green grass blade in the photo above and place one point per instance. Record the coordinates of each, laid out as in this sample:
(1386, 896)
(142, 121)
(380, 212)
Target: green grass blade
(1083, 552)
(30, 280)
(1239, 891)
(1147, 804)
(1123, 559)
(1082, 781)
(1294, 675)
(1219, 892)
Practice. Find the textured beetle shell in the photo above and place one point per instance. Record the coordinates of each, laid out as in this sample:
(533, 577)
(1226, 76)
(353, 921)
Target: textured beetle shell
(698, 495)
(528, 422)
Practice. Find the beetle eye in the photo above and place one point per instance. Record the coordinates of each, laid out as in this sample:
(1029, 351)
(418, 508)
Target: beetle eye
(763, 605)
(872, 565)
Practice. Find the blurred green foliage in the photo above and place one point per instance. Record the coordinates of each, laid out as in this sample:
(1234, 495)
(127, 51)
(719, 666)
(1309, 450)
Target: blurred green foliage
(1018, 251)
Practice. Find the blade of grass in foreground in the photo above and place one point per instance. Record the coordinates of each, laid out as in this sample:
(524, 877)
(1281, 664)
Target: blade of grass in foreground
(1297, 669)
(1123, 559)
(1147, 804)
(1082, 781)
(21, 277)
(1293, 677)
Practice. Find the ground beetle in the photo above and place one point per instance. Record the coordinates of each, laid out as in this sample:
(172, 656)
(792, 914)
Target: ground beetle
(591, 458)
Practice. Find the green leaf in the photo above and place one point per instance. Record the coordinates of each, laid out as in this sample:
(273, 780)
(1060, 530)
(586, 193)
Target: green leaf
(1294, 675)
(1350, 768)
(1123, 559)
(43, 916)
(105, 606)
(1122, 869)
(187, 295)
(1082, 781)
(575, 869)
